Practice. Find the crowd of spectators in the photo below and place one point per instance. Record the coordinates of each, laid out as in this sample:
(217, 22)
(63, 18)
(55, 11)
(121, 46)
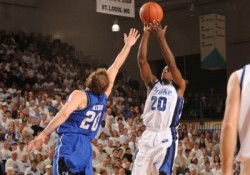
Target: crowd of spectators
(37, 75)
(208, 105)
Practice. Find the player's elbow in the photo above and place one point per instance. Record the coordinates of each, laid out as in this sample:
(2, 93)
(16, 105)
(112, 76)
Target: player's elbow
(141, 60)
(229, 126)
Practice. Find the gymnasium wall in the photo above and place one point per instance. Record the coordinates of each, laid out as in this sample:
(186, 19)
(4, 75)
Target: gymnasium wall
(77, 22)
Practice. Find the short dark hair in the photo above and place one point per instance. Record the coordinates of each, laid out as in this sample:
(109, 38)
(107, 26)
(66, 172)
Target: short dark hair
(98, 81)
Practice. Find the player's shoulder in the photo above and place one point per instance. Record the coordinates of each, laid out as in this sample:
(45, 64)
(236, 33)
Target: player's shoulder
(234, 80)
(78, 94)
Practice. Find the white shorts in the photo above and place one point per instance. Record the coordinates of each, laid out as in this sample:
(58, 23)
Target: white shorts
(157, 150)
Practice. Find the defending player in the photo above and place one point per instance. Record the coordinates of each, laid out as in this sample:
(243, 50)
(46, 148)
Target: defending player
(81, 116)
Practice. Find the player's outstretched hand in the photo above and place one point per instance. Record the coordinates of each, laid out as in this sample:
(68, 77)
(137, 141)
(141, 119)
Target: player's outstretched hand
(37, 142)
(157, 29)
(131, 38)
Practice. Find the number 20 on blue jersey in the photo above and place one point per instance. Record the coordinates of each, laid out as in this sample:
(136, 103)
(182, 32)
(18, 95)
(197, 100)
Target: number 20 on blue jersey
(91, 122)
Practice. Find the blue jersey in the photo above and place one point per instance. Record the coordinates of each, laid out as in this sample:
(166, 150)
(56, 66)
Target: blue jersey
(87, 120)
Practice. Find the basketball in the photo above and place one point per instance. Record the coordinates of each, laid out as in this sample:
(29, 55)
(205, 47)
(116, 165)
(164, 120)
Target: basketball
(151, 11)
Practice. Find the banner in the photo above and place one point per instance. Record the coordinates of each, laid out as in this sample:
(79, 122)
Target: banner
(212, 41)
(116, 7)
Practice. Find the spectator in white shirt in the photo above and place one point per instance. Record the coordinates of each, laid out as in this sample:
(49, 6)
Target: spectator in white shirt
(14, 163)
(48, 160)
(48, 170)
(102, 139)
(25, 162)
(5, 152)
(33, 169)
(207, 170)
(217, 169)
(109, 148)
(116, 139)
(103, 129)
(124, 138)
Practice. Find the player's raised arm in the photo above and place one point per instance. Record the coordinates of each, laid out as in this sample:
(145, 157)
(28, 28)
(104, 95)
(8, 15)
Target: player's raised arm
(144, 67)
(169, 57)
(129, 41)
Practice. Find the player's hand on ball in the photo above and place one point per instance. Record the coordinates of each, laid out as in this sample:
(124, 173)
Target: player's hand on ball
(157, 28)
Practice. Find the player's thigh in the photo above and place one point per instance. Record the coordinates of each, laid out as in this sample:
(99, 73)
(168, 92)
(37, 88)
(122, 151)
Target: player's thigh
(142, 165)
(166, 160)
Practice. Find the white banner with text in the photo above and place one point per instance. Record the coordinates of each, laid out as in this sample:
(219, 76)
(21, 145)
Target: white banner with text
(116, 7)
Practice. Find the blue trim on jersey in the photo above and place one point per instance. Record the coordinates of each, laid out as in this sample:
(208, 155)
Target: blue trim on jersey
(56, 156)
(134, 157)
(241, 86)
(177, 112)
(242, 77)
(155, 83)
(167, 165)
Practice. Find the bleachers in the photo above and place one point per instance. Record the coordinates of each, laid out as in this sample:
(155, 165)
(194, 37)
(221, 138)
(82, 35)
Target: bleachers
(37, 75)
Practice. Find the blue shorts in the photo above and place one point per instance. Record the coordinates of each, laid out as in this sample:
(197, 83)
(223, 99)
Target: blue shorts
(73, 155)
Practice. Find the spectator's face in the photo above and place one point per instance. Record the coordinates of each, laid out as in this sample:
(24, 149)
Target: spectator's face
(13, 147)
(102, 136)
(10, 171)
(49, 170)
(6, 145)
(207, 166)
(127, 165)
(14, 156)
(9, 138)
(128, 151)
(33, 165)
(100, 147)
(32, 103)
(187, 153)
(114, 133)
(8, 100)
(39, 157)
(109, 111)
(115, 153)
(25, 158)
(7, 114)
(11, 129)
(4, 108)
(110, 143)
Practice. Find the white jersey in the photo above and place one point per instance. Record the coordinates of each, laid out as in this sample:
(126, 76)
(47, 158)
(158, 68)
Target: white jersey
(244, 117)
(163, 107)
